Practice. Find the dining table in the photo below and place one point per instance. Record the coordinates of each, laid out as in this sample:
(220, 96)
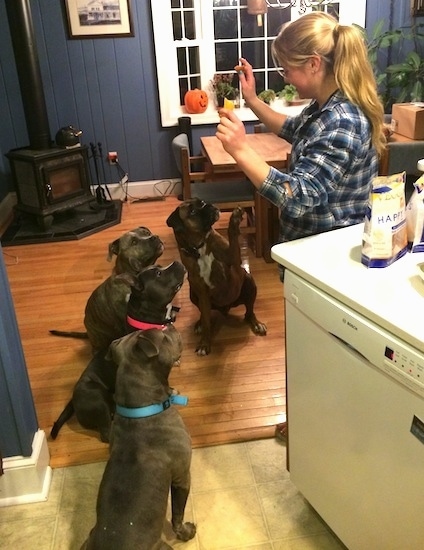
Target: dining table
(275, 151)
(269, 146)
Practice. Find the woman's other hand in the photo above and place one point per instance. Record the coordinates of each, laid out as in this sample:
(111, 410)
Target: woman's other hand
(247, 80)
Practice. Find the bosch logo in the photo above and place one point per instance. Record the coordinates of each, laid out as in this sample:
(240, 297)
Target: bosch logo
(349, 324)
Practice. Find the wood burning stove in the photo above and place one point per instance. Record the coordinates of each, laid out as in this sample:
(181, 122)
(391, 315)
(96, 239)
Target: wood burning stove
(50, 180)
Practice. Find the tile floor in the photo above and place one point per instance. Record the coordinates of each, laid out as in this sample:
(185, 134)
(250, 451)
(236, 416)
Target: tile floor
(241, 497)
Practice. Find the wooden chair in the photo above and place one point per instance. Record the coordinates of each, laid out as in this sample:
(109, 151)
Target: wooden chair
(225, 194)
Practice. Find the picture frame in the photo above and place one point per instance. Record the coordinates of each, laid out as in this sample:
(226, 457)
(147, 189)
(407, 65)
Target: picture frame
(99, 19)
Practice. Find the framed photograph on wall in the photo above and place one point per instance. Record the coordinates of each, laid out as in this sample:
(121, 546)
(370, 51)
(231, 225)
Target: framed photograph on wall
(99, 18)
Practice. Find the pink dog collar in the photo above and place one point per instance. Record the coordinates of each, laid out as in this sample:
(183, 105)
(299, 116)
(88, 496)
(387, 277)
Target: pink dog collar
(141, 325)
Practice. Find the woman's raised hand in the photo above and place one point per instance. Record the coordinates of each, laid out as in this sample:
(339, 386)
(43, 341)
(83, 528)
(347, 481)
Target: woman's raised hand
(247, 80)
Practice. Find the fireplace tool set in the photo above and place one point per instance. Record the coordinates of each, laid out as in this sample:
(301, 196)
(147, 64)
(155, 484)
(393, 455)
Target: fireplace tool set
(99, 169)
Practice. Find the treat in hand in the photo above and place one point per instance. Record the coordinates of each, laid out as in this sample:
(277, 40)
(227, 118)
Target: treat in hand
(228, 104)
(240, 69)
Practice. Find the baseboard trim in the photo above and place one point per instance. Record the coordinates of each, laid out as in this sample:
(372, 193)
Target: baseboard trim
(27, 479)
(142, 189)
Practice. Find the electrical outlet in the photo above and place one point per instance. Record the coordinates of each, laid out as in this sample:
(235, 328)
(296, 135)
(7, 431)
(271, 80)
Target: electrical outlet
(112, 157)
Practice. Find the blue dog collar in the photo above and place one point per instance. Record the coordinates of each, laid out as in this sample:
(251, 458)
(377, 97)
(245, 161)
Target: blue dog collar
(151, 410)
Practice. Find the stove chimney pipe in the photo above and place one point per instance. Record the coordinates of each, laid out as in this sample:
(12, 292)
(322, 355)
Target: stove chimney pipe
(29, 74)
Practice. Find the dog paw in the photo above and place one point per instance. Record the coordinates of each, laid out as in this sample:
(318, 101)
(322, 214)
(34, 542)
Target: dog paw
(185, 531)
(236, 217)
(203, 349)
(257, 327)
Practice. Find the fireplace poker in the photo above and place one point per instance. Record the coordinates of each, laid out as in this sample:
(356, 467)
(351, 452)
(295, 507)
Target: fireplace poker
(102, 160)
(99, 145)
(100, 193)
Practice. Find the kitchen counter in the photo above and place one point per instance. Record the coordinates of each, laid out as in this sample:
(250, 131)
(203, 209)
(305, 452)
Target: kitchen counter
(392, 297)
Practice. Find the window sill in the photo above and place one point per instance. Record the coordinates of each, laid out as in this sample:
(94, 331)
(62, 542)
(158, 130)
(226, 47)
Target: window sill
(210, 116)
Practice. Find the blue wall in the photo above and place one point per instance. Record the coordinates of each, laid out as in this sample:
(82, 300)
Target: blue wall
(106, 87)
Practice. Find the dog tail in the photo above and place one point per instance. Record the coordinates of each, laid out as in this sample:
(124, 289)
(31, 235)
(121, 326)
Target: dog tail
(69, 334)
(64, 416)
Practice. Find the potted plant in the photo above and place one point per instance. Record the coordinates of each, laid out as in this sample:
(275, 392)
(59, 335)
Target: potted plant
(267, 96)
(289, 94)
(407, 78)
(402, 81)
(222, 87)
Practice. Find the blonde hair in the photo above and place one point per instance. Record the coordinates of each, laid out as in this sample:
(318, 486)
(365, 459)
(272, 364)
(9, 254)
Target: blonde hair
(343, 50)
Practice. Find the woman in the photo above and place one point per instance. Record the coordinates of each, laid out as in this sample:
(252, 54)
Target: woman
(336, 140)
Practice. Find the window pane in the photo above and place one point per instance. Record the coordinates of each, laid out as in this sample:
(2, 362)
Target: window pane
(271, 63)
(190, 29)
(193, 56)
(182, 62)
(175, 3)
(276, 18)
(225, 23)
(334, 9)
(260, 81)
(226, 56)
(223, 3)
(254, 53)
(183, 89)
(195, 82)
(249, 26)
(176, 25)
(275, 81)
(188, 3)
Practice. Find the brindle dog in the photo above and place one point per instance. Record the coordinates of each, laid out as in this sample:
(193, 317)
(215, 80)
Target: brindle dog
(216, 276)
(105, 312)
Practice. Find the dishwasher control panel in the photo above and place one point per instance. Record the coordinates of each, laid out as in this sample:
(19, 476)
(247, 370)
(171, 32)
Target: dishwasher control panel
(407, 366)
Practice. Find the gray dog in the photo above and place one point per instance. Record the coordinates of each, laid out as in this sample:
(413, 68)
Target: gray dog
(105, 312)
(149, 305)
(150, 449)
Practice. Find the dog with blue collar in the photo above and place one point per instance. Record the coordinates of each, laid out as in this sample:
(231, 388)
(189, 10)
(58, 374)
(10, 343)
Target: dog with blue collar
(150, 448)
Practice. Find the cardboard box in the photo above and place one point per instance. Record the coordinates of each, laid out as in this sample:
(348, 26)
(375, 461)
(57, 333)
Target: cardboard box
(408, 119)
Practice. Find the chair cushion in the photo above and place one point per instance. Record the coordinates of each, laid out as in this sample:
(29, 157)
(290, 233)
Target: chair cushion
(179, 142)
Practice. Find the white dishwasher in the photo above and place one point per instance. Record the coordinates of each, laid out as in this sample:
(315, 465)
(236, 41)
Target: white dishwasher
(355, 390)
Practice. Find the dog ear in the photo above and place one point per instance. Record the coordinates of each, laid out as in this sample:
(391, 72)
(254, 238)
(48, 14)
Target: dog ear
(111, 350)
(113, 249)
(146, 342)
(174, 220)
(143, 231)
(128, 279)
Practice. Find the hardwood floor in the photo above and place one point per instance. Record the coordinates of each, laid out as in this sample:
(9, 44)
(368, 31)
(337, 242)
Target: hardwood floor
(236, 393)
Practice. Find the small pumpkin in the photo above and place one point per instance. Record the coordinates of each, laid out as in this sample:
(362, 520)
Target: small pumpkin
(196, 101)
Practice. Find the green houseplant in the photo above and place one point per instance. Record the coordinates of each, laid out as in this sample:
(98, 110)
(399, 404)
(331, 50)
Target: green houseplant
(267, 96)
(288, 93)
(402, 81)
(222, 87)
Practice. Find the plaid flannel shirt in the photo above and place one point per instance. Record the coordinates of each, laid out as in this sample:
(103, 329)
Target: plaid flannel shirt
(333, 164)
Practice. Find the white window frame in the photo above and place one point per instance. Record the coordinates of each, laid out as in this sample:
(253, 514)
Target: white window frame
(166, 60)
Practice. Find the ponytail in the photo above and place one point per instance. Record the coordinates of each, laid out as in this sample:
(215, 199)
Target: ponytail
(355, 78)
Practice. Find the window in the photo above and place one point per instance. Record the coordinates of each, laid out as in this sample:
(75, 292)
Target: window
(195, 39)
